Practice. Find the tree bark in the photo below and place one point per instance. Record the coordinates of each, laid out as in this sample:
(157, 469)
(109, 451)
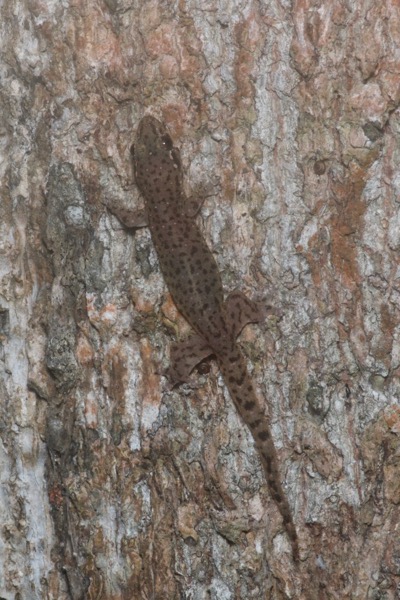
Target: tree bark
(287, 115)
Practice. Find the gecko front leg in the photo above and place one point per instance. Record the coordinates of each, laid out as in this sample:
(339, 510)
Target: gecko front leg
(128, 217)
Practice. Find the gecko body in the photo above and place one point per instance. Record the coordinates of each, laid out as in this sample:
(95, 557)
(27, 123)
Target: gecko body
(193, 279)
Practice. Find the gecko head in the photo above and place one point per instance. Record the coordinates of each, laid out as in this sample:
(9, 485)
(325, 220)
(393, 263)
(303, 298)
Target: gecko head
(153, 142)
(156, 162)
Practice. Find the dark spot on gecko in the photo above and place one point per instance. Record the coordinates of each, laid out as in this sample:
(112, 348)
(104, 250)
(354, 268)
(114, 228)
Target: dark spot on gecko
(249, 405)
(241, 379)
(277, 497)
(263, 435)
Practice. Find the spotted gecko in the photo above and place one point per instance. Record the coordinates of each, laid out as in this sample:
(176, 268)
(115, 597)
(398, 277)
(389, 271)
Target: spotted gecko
(194, 282)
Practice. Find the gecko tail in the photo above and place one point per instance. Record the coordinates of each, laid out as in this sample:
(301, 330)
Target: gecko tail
(234, 371)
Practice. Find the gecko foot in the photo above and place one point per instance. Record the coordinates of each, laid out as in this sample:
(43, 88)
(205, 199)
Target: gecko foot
(240, 311)
(184, 356)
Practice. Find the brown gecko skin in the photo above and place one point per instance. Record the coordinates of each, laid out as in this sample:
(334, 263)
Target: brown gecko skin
(194, 282)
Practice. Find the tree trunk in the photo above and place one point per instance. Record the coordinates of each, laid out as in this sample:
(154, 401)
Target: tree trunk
(287, 115)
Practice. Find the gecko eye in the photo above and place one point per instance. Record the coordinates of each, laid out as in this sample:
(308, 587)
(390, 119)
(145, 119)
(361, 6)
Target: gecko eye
(132, 150)
(167, 141)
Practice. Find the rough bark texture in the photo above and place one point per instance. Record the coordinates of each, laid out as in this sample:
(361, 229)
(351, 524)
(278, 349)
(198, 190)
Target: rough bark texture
(113, 487)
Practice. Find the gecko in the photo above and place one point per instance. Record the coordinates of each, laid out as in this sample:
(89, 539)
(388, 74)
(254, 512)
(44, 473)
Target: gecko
(194, 282)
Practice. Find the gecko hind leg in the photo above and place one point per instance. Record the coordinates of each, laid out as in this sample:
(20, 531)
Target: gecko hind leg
(240, 311)
(184, 356)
